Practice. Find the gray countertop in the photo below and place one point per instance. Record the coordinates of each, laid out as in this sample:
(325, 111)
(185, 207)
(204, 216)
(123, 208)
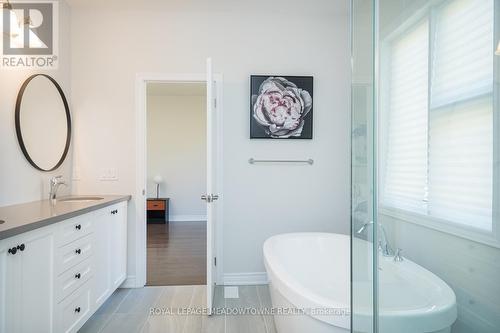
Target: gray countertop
(17, 219)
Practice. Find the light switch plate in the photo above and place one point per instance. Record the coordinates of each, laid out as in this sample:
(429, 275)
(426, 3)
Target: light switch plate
(109, 174)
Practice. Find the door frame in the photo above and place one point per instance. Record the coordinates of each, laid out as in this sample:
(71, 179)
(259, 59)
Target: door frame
(139, 200)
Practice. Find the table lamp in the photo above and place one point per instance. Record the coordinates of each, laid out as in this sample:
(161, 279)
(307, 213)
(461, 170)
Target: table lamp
(158, 180)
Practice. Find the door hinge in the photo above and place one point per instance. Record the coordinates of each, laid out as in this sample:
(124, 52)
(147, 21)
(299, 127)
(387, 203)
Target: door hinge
(215, 103)
(215, 261)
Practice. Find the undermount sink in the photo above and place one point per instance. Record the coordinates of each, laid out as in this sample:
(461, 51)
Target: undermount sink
(80, 199)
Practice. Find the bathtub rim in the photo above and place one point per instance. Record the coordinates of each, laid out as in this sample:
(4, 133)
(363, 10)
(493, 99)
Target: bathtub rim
(302, 297)
(296, 292)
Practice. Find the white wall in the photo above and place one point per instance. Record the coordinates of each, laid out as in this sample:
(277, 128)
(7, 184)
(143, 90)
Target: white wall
(176, 127)
(111, 45)
(19, 181)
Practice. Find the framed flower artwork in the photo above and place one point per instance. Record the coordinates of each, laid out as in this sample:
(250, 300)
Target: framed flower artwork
(281, 107)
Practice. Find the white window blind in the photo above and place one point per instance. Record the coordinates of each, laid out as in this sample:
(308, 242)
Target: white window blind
(439, 157)
(461, 116)
(462, 64)
(406, 157)
(461, 163)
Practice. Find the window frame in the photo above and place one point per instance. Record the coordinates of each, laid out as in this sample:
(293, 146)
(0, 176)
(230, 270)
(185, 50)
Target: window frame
(428, 12)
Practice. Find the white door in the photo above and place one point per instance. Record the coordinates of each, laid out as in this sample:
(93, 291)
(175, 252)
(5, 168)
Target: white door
(211, 196)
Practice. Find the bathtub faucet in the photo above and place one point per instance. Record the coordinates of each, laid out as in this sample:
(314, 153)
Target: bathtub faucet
(383, 244)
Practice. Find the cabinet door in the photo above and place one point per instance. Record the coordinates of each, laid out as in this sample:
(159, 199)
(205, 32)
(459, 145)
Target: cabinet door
(37, 282)
(9, 289)
(118, 244)
(101, 257)
(28, 283)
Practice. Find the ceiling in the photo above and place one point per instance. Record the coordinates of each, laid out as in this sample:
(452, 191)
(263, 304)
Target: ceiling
(299, 7)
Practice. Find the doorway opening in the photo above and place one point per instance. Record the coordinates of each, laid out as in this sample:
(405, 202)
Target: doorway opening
(176, 126)
(212, 195)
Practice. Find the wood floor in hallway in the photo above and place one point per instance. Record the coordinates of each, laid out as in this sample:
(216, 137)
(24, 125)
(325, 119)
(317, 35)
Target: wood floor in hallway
(176, 254)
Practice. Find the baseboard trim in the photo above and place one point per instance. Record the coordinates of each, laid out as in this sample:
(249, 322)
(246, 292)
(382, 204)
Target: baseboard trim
(188, 218)
(245, 279)
(130, 282)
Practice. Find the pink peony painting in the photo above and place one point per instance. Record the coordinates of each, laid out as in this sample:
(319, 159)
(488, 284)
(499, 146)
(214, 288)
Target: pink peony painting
(281, 107)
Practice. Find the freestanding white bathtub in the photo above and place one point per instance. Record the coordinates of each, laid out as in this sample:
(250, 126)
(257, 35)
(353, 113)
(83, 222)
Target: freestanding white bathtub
(309, 276)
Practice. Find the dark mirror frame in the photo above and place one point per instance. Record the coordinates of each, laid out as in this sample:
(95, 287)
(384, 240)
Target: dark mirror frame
(18, 122)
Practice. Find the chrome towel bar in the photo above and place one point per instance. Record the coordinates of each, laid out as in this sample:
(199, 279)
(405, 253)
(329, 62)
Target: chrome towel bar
(308, 161)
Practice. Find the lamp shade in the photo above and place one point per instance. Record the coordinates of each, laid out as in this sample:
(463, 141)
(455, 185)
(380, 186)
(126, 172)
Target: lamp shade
(158, 179)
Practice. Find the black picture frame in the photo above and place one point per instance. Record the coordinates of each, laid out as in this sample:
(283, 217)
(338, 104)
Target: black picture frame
(258, 130)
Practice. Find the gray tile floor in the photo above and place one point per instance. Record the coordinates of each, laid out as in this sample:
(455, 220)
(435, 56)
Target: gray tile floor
(128, 311)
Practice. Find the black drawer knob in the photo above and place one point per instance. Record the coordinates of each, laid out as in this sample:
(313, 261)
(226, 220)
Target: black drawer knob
(21, 247)
(13, 250)
(77, 276)
(78, 226)
(78, 251)
(77, 309)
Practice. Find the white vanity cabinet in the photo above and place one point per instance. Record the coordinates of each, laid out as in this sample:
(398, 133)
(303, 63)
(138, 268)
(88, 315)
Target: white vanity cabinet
(111, 246)
(26, 282)
(118, 245)
(52, 279)
(101, 284)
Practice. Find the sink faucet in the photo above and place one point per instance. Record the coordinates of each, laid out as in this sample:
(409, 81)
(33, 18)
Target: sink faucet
(55, 183)
(383, 244)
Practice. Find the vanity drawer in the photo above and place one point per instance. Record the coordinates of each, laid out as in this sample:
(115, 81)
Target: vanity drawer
(74, 229)
(73, 253)
(73, 279)
(75, 310)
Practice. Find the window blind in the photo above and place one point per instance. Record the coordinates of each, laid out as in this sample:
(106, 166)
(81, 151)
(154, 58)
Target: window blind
(461, 163)
(462, 65)
(461, 115)
(406, 156)
(438, 155)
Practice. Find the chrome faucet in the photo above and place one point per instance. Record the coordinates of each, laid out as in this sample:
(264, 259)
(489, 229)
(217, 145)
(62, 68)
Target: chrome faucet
(398, 257)
(55, 183)
(383, 244)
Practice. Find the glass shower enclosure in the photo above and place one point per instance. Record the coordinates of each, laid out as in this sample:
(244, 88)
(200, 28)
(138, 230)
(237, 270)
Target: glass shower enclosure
(425, 176)
(363, 194)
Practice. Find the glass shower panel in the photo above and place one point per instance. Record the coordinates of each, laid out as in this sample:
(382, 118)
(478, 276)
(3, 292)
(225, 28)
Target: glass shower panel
(438, 147)
(362, 168)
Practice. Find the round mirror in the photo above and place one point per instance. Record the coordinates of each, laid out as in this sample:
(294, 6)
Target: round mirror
(43, 122)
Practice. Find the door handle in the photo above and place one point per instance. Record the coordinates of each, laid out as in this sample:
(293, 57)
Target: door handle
(210, 197)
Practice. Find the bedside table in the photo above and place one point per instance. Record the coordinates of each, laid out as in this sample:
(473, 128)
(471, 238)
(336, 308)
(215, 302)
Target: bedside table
(158, 210)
